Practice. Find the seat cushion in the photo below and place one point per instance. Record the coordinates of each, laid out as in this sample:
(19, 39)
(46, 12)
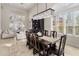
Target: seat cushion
(39, 34)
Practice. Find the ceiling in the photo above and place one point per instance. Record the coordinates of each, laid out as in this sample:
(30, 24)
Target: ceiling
(28, 6)
(24, 6)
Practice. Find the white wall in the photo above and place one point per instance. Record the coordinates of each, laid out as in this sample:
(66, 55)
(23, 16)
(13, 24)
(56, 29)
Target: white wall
(7, 11)
(59, 9)
(47, 24)
(0, 18)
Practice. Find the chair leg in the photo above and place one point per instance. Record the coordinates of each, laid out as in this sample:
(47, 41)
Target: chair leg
(40, 54)
(63, 54)
(34, 52)
(30, 47)
(27, 43)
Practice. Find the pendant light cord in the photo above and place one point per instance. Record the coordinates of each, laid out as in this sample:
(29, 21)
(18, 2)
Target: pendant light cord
(37, 8)
(46, 5)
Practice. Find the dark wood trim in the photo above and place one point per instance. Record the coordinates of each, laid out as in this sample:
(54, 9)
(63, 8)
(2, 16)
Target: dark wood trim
(44, 11)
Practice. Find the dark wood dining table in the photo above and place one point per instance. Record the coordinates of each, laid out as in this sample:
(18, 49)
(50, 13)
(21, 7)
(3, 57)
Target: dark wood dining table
(49, 39)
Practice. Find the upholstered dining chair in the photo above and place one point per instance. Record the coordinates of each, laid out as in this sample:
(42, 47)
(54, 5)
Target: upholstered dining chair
(45, 48)
(36, 45)
(60, 50)
(53, 33)
(31, 41)
(45, 32)
(28, 38)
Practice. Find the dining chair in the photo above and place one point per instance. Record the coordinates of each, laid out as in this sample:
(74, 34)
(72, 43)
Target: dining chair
(45, 48)
(36, 47)
(31, 41)
(53, 33)
(60, 50)
(28, 38)
(26, 32)
(45, 32)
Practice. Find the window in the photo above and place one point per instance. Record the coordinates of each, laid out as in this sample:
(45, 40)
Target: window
(76, 18)
(69, 23)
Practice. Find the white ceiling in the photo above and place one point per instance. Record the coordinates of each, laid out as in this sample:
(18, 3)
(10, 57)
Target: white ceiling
(24, 6)
(28, 6)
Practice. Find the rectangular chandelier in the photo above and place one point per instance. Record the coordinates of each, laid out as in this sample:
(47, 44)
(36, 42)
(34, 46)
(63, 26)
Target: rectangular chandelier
(43, 14)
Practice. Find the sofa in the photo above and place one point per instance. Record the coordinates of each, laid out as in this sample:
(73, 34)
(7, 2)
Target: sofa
(7, 34)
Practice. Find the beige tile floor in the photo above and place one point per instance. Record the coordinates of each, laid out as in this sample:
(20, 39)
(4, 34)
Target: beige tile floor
(11, 47)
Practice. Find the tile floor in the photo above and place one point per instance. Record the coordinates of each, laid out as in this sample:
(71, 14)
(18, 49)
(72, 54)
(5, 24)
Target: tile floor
(13, 47)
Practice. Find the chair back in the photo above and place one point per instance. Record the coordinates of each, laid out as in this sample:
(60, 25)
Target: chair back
(31, 37)
(45, 32)
(36, 41)
(53, 33)
(62, 45)
(27, 38)
(27, 35)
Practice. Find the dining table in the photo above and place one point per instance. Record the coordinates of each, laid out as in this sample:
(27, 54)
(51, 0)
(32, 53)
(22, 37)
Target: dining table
(50, 39)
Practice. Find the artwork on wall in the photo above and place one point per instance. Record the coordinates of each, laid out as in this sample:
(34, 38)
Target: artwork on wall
(16, 24)
(61, 23)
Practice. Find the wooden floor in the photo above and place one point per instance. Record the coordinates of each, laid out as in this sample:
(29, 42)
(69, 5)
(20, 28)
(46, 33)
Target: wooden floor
(11, 47)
